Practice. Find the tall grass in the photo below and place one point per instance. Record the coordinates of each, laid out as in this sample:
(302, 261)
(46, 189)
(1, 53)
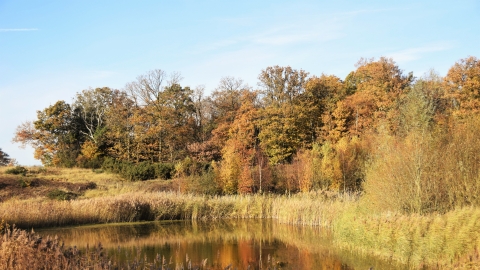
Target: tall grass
(26, 250)
(300, 209)
(23, 250)
(442, 241)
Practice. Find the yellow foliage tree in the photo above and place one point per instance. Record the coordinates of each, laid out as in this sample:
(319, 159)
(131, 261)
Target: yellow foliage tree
(230, 168)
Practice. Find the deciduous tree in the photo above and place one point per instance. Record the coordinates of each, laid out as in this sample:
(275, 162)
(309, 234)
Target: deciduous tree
(281, 118)
(463, 86)
(376, 87)
(55, 135)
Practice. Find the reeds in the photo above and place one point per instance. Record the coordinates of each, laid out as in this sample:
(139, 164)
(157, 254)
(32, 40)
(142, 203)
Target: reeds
(23, 250)
(441, 241)
(26, 250)
(414, 240)
(299, 209)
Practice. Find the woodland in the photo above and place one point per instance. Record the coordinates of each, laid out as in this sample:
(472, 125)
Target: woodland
(406, 143)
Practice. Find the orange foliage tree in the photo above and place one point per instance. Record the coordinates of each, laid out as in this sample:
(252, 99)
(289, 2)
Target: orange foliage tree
(376, 86)
(463, 86)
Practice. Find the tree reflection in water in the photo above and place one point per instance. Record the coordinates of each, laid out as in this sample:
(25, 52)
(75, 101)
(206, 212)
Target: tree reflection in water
(243, 244)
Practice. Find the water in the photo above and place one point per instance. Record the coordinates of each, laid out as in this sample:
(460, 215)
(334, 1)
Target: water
(251, 244)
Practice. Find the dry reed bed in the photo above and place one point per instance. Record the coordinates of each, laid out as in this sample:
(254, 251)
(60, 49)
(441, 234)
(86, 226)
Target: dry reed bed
(447, 241)
(300, 209)
(23, 250)
(312, 241)
(26, 250)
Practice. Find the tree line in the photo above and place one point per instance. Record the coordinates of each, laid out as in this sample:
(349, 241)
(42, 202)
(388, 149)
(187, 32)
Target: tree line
(294, 132)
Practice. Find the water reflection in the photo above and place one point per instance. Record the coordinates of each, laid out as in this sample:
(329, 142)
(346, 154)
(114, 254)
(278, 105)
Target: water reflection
(251, 244)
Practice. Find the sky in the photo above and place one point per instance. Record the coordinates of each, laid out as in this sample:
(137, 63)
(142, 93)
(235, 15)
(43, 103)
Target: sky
(50, 50)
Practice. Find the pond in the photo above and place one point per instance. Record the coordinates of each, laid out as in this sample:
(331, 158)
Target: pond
(240, 244)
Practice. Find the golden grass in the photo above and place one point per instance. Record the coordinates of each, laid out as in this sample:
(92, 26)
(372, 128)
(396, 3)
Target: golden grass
(137, 206)
(441, 240)
(447, 240)
(106, 184)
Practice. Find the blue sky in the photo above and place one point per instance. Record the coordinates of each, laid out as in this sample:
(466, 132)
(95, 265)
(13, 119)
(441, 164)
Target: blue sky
(50, 50)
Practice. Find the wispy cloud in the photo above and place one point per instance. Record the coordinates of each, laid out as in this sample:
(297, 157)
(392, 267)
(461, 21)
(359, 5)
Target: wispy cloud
(369, 11)
(412, 54)
(280, 36)
(236, 21)
(297, 35)
(18, 29)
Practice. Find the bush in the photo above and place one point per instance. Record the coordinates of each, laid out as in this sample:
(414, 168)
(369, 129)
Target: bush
(37, 170)
(61, 195)
(426, 172)
(94, 163)
(18, 170)
(164, 170)
(139, 171)
(110, 165)
(204, 184)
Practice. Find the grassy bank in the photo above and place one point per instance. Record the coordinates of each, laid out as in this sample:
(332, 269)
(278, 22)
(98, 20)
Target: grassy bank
(440, 241)
(437, 240)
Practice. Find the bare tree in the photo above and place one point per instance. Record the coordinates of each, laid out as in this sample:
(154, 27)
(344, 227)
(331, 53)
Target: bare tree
(92, 105)
(147, 89)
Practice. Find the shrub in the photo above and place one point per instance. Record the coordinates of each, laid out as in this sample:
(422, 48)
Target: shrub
(22, 183)
(37, 170)
(18, 170)
(94, 163)
(201, 184)
(139, 171)
(110, 165)
(164, 170)
(61, 195)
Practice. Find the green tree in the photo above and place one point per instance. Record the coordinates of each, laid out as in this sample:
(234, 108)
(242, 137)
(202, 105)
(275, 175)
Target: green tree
(281, 118)
(119, 128)
(240, 148)
(92, 106)
(4, 158)
(149, 128)
(403, 169)
(56, 135)
(178, 115)
(318, 103)
(164, 119)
